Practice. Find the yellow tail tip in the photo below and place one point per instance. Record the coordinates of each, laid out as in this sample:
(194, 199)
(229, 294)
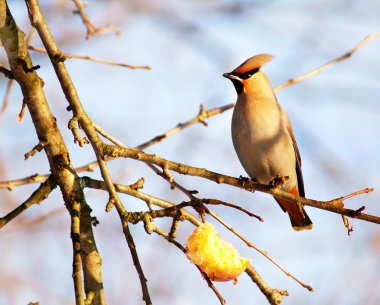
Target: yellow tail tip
(308, 227)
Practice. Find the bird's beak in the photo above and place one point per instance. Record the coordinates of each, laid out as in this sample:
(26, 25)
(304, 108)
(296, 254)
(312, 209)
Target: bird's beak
(231, 76)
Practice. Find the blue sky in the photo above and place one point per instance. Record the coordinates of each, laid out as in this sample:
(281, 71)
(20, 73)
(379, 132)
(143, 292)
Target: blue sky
(190, 44)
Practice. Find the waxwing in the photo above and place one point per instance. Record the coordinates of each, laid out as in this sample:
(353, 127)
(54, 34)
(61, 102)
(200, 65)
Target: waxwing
(263, 137)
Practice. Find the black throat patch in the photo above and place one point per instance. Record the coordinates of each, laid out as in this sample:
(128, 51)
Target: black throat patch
(246, 75)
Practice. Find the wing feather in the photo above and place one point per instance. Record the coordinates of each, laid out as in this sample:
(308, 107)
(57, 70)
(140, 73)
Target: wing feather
(301, 188)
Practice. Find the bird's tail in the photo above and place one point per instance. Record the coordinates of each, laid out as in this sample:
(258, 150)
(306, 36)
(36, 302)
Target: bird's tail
(304, 224)
(298, 217)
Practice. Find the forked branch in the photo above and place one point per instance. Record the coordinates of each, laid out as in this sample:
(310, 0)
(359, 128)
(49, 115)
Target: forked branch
(249, 185)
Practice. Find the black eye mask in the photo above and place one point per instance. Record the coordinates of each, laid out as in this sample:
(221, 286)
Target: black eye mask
(236, 80)
(248, 74)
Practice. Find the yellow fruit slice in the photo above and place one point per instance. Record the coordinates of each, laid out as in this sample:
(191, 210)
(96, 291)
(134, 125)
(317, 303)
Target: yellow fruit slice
(218, 259)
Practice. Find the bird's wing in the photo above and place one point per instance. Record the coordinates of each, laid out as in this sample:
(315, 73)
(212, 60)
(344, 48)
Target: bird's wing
(301, 188)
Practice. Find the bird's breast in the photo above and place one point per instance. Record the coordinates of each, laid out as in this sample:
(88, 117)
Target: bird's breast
(261, 140)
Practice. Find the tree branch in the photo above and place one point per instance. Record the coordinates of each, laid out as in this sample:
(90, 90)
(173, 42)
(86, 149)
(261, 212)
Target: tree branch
(249, 185)
(200, 118)
(331, 63)
(149, 199)
(274, 296)
(261, 251)
(102, 61)
(91, 28)
(181, 248)
(6, 97)
(40, 194)
(47, 130)
(87, 125)
(171, 210)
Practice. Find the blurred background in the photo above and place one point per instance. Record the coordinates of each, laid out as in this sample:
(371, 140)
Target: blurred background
(190, 44)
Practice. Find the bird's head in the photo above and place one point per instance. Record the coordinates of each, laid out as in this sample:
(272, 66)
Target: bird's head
(242, 75)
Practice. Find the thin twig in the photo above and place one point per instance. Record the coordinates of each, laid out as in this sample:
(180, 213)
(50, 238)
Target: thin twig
(136, 262)
(102, 61)
(149, 199)
(234, 206)
(354, 194)
(180, 247)
(6, 97)
(274, 296)
(91, 28)
(10, 184)
(20, 115)
(202, 115)
(36, 198)
(21, 224)
(349, 228)
(72, 125)
(38, 148)
(150, 165)
(181, 126)
(249, 244)
(328, 65)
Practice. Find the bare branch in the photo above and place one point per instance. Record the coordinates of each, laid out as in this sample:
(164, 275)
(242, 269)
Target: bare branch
(86, 181)
(20, 116)
(149, 199)
(202, 115)
(87, 126)
(209, 113)
(27, 180)
(102, 61)
(85, 254)
(6, 97)
(91, 130)
(171, 210)
(72, 125)
(91, 28)
(36, 198)
(136, 262)
(234, 206)
(22, 224)
(180, 247)
(328, 65)
(71, 94)
(40, 146)
(10, 85)
(274, 296)
(332, 205)
(261, 251)
(347, 225)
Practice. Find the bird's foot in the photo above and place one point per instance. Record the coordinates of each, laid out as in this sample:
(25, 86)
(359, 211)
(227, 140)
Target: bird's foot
(278, 181)
(246, 179)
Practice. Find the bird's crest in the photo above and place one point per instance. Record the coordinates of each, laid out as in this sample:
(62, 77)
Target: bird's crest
(255, 62)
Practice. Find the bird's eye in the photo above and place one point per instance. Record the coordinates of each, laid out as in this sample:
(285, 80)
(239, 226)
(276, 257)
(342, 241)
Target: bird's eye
(248, 74)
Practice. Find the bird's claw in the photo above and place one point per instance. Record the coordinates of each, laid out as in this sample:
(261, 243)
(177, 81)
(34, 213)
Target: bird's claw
(278, 181)
(246, 179)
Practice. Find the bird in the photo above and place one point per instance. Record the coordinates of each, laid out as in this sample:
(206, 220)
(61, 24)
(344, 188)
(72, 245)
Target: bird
(263, 138)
